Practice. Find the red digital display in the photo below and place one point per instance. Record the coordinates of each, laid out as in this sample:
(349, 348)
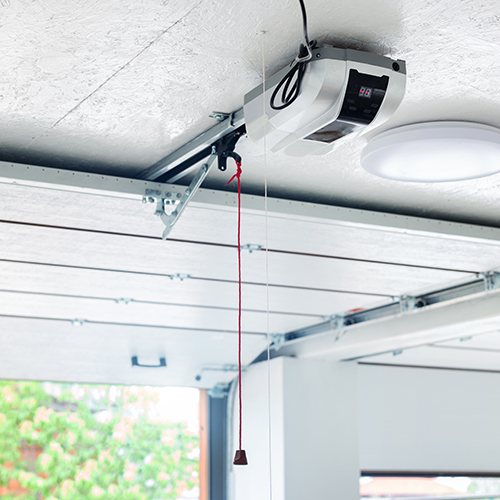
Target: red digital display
(365, 92)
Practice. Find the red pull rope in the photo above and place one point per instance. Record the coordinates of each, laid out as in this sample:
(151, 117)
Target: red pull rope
(237, 175)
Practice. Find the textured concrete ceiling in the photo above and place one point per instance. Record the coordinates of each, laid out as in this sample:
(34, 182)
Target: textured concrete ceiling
(112, 87)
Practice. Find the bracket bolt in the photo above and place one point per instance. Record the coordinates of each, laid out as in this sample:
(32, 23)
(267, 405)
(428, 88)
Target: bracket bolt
(179, 195)
(168, 195)
(151, 199)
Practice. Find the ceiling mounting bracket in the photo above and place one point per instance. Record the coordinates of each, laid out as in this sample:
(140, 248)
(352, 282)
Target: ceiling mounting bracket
(170, 219)
(491, 280)
(219, 115)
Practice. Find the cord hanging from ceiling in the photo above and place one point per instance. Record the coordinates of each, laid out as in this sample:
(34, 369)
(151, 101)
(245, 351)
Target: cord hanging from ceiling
(267, 279)
(240, 457)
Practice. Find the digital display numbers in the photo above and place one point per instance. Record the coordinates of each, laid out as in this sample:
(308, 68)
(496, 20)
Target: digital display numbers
(365, 92)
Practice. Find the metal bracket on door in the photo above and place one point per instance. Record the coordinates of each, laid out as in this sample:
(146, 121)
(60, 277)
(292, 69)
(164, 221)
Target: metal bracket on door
(221, 150)
(170, 219)
(223, 368)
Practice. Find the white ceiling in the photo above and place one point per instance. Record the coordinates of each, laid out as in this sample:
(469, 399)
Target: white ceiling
(113, 87)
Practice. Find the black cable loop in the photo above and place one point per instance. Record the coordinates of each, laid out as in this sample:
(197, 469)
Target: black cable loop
(290, 91)
(289, 95)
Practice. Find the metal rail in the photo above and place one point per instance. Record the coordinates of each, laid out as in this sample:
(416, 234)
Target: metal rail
(482, 283)
(179, 163)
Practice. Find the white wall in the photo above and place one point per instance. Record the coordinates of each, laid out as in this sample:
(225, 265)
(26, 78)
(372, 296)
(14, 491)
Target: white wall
(417, 419)
(332, 419)
(321, 430)
(314, 429)
(251, 482)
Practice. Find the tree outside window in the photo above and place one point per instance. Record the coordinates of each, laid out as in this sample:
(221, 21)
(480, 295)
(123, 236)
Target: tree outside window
(76, 442)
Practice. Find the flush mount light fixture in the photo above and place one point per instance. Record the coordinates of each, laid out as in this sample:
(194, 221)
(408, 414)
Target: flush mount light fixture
(434, 152)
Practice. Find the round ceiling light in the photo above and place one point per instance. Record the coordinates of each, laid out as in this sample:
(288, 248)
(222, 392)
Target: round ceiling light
(434, 152)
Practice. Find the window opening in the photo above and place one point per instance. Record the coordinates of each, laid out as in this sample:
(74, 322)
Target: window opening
(77, 441)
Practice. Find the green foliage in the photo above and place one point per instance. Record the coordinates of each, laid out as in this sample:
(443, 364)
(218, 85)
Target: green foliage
(87, 442)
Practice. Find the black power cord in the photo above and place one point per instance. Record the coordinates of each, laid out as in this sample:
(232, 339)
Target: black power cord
(290, 85)
(306, 34)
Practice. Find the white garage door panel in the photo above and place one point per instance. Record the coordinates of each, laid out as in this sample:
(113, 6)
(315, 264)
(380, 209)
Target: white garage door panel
(219, 226)
(328, 238)
(490, 340)
(442, 357)
(356, 276)
(38, 244)
(60, 208)
(46, 306)
(55, 350)
(116, 285)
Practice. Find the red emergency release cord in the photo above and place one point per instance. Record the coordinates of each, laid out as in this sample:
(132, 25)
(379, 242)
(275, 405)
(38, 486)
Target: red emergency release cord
(240, 456)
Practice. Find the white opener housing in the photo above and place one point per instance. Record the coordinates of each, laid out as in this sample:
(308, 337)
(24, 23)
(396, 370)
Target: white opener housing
(343, 92)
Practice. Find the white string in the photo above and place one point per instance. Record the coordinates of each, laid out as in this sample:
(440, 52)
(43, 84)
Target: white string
(267, 272)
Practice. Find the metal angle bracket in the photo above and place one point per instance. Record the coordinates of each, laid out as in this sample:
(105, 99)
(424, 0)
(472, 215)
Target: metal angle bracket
(170, 219)
(337, 324)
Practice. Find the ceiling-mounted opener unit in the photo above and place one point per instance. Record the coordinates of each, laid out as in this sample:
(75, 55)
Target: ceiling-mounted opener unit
(342, 92)
(324, 96)
(336, 94)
